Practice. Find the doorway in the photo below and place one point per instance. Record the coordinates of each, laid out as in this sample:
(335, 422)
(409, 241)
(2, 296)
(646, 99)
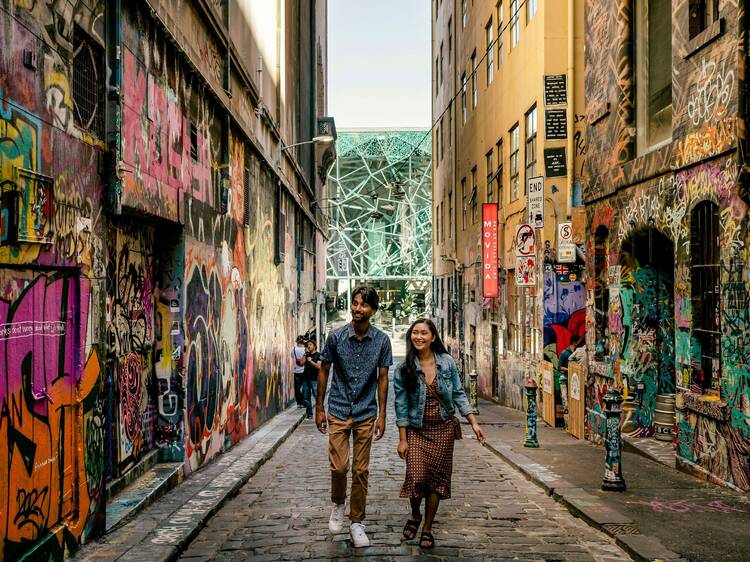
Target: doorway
(643, 313)
(493, 361)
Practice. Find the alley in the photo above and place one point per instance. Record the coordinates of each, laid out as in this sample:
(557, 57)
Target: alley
(495, 513)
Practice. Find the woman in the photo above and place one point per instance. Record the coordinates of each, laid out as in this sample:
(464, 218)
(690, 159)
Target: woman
(428, 391)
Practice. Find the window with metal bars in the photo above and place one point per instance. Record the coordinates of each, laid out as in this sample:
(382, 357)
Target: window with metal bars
(704, 275)
(88, 84)
(601, 292)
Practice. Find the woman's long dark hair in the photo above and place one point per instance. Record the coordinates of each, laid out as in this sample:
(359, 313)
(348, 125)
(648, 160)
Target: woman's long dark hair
(408, 371)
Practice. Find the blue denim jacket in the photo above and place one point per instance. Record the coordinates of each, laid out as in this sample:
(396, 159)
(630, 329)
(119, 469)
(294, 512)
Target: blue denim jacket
(410, 407)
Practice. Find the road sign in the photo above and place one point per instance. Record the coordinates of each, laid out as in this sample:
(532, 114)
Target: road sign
(566, 249)
(536, 201)
(525, 240)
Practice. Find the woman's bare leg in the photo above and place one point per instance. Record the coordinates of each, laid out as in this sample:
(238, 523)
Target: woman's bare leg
(416, 512)
(432, 500)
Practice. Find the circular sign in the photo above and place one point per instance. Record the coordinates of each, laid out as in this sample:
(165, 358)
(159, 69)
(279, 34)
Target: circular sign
(566, 232)
(525, 240)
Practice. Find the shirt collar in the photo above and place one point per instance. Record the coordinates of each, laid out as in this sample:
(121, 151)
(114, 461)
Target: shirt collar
(352, 333)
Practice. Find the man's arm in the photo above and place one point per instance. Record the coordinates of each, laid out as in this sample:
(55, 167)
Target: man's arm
(320, 414)
(382, 400)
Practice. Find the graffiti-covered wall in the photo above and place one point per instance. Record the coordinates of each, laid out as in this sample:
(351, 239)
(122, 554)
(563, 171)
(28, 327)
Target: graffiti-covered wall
(659, 223)
(52, 270)
(156, 262)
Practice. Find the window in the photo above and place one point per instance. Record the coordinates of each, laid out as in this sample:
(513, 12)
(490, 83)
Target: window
(88, 77)
(474, 80)
(653, 66)
(465, 11)
(500, 23)
(442, 140)
(515, 29)
(440, 74)
(437, 76)
(442, 222)
(490, 165)
(514, 163)
(531, 6)
(704, 275)
(438, 148)
(437, 222)
(530, 145)
(499, 172)
(463, 99)
(463, 202)
(474, 196)
(702, 14)
(490, 57)
(451, 216)
(450, 38)
(601, 293)
(450, 123)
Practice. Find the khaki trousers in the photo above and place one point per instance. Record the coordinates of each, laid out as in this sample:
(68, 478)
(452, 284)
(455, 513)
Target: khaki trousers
(338, 454)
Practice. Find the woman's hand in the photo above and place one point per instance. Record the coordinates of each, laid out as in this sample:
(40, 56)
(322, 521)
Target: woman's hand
(478, 433)
(403, 447)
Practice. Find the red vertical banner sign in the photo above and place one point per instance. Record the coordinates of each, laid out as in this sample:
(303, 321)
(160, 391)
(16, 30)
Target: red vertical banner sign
(489, 250)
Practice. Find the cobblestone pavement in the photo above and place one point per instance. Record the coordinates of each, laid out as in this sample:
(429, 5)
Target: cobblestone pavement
(495, 513)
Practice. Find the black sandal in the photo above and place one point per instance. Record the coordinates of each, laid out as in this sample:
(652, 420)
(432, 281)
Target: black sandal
(426, 540)
(411, 528)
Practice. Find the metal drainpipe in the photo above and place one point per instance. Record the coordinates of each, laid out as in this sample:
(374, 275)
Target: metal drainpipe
(571, 103)
(278, 63)
(114, 111)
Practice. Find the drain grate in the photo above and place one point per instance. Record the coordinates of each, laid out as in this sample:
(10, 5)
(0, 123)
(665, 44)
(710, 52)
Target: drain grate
(615, 529)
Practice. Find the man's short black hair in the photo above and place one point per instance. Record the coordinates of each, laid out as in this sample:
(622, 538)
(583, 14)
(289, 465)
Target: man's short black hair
(369, 295)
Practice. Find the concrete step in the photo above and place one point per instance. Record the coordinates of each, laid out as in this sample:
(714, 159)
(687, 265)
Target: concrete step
(152, 484)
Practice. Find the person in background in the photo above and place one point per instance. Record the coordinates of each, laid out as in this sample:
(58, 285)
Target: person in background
(298, 355)
(562, 365)
(310, 384)
(427, 394)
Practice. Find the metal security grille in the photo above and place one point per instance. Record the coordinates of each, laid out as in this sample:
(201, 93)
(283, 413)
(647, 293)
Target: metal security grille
(87, 85)
(246, 198)
(704, 265)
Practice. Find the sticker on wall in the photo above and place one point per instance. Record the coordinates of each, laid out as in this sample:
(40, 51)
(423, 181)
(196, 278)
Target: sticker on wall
(575, 386)
(525, 271)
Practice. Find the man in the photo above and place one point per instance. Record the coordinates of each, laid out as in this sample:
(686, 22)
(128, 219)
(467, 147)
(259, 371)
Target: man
(298, 354)
(360, 354)
(310, 384)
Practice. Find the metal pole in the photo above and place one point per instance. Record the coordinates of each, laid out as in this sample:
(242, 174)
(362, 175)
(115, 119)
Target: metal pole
(564, 397)
(473, 391)
(531, 440)
(613, 480)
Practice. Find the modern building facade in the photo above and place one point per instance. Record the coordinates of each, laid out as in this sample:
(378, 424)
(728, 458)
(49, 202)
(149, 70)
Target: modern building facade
(159, 249)
(667, 235)
(507, 113)
(379, 203)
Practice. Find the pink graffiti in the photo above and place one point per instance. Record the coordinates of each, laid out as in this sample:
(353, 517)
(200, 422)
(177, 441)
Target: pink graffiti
(167, 164)
(690, 506)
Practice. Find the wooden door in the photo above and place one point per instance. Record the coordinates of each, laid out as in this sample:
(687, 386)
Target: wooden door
(548, 393)
(576, 403)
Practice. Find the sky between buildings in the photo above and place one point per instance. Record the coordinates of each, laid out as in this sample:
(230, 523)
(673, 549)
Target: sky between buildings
(379, 63)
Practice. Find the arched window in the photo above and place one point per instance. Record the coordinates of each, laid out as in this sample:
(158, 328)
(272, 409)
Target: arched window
(601, 291)
(705, 274)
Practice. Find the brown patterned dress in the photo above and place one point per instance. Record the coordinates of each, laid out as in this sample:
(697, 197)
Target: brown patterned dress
(429, 459)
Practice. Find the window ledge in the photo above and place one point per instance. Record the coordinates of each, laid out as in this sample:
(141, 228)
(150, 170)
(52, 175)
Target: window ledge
(705, 37)
(702, 404)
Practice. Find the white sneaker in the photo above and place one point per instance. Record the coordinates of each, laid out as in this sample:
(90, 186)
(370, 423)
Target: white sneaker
(336, 522)
(359, 538)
